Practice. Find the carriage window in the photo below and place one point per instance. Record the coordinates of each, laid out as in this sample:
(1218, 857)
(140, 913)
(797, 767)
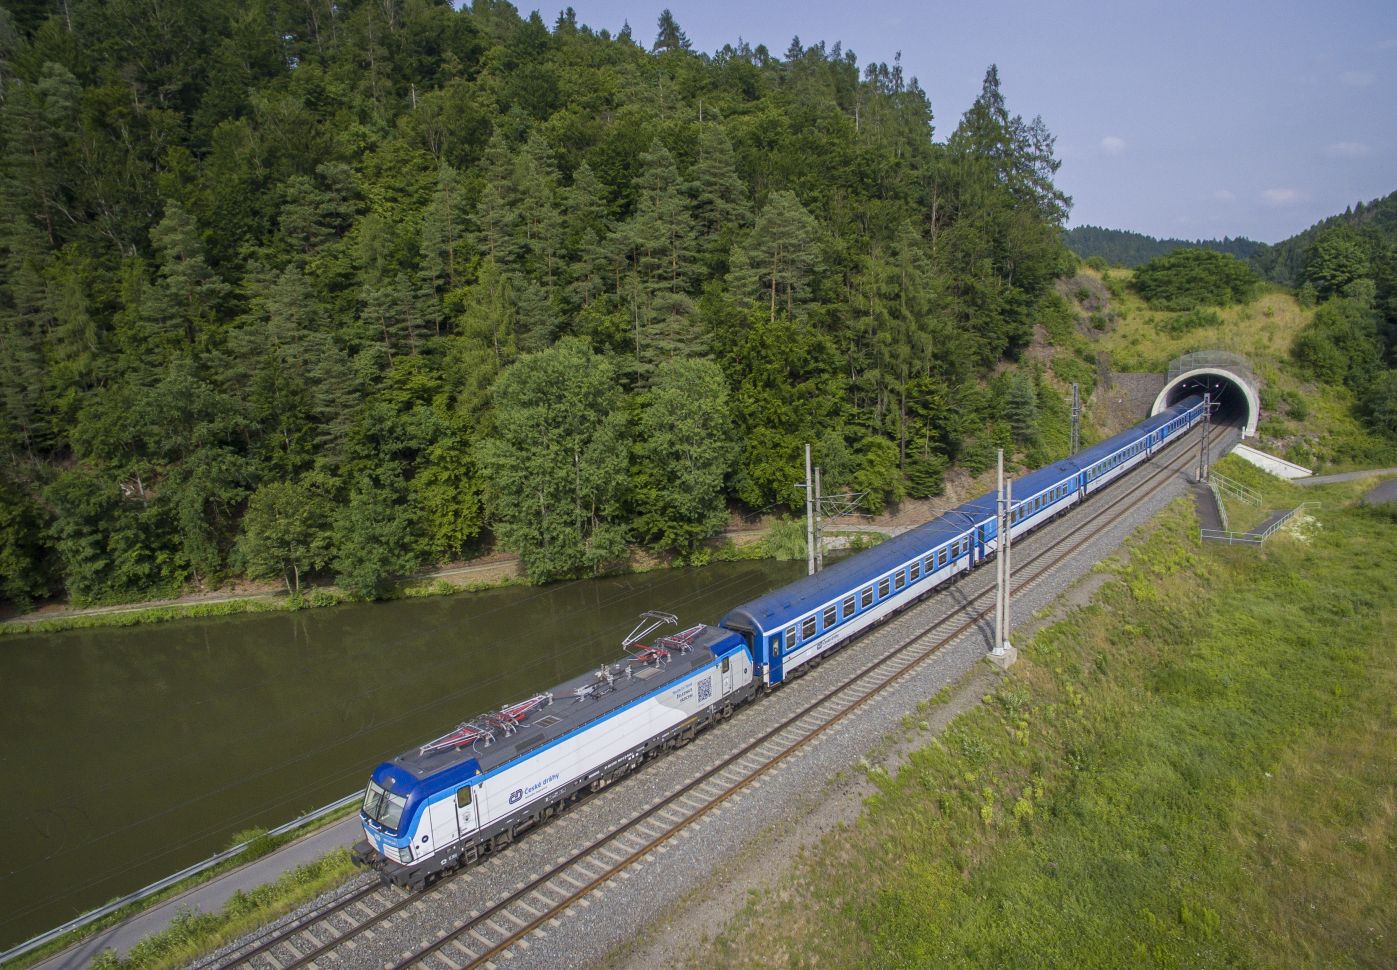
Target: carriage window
(463, 797)
(882, 588)
(941, 557)
(914, 570)
(849, 607)
(807, 629)
(831, 617)
(790, 637)
(899, 580)
(866, 597)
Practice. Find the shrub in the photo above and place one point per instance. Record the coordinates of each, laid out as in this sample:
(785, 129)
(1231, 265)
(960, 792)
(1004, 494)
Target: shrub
(1192, 320)
(1190, 278)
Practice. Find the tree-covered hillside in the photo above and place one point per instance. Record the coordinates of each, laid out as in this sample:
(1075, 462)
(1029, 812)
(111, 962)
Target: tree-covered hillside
(1121, 247)
(349, 287)
(1285, 262)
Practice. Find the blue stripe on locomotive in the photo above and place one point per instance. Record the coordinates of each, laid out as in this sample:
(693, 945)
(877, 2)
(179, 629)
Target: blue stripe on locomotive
(420, 792)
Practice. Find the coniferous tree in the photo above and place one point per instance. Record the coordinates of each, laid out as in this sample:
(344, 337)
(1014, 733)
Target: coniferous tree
(779, 257)
(670, 37)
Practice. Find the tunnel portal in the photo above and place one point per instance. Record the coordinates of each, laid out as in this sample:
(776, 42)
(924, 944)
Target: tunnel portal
(1227, 377)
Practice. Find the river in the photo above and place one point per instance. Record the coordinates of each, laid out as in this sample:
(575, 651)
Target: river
(131, 753)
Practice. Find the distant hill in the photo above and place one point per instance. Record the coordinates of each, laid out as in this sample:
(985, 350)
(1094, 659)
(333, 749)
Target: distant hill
(1120, 247)
(1283, 262)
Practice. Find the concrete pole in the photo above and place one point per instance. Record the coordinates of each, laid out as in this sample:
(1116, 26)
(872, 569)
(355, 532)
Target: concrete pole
(1203, 469)
(1004, 646)
(1001, 534)
(819, 526)
(1003, 653)
(809, 516)
(1076, 422)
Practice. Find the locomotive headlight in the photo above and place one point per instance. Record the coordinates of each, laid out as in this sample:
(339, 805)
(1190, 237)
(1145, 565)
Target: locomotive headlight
(405, 854)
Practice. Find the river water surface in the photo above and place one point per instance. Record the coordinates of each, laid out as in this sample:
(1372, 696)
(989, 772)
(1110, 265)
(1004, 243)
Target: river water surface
(128, 754)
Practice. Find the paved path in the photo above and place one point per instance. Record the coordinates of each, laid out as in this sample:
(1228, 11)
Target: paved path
(1209, 517)
(210, 896)
(1384, 493)
(1343, 477)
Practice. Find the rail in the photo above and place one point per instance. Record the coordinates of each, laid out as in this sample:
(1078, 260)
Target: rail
(1252, 538)
(139, 895)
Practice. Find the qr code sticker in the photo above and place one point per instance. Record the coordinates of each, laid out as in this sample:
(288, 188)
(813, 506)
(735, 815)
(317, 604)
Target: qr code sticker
(705, 690)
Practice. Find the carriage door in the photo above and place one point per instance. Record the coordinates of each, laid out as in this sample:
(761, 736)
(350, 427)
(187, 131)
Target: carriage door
(727, 676)
(466, 819)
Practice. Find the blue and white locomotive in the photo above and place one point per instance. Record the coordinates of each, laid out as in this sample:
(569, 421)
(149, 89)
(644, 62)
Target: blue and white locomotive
(475, 789)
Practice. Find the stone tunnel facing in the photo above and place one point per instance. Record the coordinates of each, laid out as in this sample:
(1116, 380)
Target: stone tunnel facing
(1236, 402)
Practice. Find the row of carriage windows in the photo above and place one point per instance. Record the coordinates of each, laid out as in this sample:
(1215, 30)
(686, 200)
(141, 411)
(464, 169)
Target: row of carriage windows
(812, 624)
(1120, 456)
(1036, 504)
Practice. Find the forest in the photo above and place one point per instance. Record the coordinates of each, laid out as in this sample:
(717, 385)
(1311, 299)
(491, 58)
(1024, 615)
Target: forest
(346, 288)
(1121, 247)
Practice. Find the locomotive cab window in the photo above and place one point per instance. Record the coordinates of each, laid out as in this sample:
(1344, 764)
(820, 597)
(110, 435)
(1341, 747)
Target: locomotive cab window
(382, 807)
(463, 797)
(727, 665)
(807, 629)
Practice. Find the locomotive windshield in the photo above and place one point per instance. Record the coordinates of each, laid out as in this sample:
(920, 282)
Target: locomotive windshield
(383, 808)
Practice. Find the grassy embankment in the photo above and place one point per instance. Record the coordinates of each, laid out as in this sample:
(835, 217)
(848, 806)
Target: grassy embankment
(1199, 769)
(194, 934)
(1309, 423)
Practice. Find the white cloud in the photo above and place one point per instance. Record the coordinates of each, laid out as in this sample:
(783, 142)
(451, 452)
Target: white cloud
(1222, 195)
(1357, 79)
(1347, 149)
(1282, 197)
(1112, 145)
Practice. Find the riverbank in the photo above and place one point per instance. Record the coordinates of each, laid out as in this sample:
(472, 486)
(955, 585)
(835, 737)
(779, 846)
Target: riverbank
(493, 571)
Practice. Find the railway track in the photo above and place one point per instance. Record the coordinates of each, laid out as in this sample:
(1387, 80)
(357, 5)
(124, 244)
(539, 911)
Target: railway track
(534, 906)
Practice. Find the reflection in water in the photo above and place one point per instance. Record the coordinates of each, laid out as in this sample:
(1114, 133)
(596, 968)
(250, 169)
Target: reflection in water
(129, 754)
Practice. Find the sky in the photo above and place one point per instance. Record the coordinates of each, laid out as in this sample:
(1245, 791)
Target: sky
(1175, 119)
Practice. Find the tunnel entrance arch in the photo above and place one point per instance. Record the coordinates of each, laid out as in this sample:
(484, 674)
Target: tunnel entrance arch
(1227, 376)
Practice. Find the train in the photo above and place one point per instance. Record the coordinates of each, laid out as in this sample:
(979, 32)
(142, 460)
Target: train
(477, 788)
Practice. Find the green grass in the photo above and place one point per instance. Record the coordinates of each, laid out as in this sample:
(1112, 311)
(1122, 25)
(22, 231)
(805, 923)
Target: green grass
(194, 933)
(1308, 423)
(1197, 770)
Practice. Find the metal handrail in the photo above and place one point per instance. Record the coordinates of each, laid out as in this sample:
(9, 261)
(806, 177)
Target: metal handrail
(1222, 507)
(1235, 489)
(141, 894)
(1251, 538)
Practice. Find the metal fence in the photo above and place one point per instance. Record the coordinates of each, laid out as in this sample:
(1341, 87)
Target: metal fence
(1237, 490)
(1252, 538)
(1205, 359)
